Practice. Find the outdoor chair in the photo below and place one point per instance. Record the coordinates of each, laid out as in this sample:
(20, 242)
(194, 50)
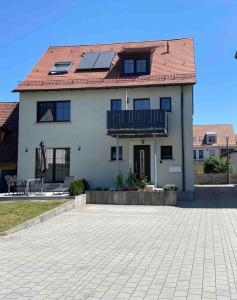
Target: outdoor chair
(64, 187)
(13, 184)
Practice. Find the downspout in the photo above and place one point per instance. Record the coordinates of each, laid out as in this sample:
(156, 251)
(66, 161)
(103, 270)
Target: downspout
(182, 138)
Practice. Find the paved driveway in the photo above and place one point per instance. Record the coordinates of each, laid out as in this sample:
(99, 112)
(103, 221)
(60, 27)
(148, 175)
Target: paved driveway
(127, 252)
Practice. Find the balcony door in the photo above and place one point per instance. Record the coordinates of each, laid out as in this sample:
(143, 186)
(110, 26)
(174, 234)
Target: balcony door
(142, 161)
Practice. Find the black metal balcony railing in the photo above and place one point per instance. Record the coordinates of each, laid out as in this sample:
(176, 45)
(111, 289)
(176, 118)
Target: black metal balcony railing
(137, 122)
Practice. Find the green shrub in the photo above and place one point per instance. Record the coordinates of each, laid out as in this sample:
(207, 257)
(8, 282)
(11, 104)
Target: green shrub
(76, 188)
(119, 181)
(142, 183)
(131, 180)
(86, 185)
(170, 187)
(216, 165)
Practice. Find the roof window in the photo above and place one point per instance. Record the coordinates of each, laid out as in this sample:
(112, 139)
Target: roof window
(61, 67)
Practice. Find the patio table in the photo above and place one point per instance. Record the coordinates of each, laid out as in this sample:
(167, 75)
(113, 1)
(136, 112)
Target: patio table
(28, 181)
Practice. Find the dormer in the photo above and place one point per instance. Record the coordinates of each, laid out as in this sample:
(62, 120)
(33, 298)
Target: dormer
(211, 138)
(135, 61)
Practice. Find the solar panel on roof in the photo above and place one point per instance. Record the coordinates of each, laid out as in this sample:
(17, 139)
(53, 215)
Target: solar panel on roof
(104, 60)
(88, 60)
(96, 60)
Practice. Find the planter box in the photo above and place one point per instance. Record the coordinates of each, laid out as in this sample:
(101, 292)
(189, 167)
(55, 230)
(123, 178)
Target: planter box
(131, 197)
(170, 198)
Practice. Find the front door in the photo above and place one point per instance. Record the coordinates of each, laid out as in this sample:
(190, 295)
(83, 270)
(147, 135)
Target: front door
(142, 161)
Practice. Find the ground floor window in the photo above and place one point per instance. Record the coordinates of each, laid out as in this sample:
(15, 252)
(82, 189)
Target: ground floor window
(113, 153)
(212, 152)
(194, 154)
(58, 164)
(166, 152)
(201, 154)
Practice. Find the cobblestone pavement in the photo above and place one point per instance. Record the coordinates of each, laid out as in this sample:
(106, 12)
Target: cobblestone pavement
(127, 252)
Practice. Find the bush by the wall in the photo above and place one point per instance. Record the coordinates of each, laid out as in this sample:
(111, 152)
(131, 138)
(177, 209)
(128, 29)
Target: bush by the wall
(76, 188)
(86, 185)
(216, 165)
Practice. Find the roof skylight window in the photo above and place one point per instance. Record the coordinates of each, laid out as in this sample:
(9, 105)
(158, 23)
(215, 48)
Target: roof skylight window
(61, 67)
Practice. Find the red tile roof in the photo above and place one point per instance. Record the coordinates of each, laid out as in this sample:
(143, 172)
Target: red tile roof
(172, 63)
(9, 115)
(222, 130)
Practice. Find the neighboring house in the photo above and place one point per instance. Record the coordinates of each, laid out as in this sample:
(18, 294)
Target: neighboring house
(211, 141)
(91, 102)
(9, 112)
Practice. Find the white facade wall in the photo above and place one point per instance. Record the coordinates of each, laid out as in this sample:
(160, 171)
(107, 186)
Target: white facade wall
(87, 129)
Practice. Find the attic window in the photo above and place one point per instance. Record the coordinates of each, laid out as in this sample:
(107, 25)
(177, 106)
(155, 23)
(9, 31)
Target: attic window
(61, 67)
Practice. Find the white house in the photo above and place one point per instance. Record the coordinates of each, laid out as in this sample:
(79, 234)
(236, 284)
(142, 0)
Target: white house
(109, 108)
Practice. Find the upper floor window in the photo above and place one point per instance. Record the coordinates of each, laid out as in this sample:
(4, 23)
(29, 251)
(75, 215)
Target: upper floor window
(53, 111)
(194, 139)
(141, 104)
(135, 66)
(200, 138)
(211, 139)
(61, 67)
(116, 104)
(165, 104)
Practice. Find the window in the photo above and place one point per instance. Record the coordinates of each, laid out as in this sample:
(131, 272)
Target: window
(200, 138)
(141, 104)
(135, 66)
(200, 152)
(58, 164)
(116, 104)
(166, 152)
(128, 66)
(212, 152)
(194, 139)
(61, 67)
(211, 139)
(141, 66)
(53, 111)
(165, 104)
(113, 153)
(194, 154)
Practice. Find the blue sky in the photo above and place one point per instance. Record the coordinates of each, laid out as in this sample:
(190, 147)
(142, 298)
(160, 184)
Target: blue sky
(28, 27)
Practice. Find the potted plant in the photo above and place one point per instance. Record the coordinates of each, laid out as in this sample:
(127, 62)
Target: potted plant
(170, 195)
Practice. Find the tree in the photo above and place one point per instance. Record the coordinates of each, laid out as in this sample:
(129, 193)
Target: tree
(216, 165)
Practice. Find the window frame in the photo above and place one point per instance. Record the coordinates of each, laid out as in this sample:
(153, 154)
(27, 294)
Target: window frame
(211, 137)
(194, 154)
(212, 151)
(162, 98)
(54, 111)
(135, 59)
(54, 164)
(112, 148)
(139, 99)
(161, 152)
(54, 72)
(112, 100)
(202, 151)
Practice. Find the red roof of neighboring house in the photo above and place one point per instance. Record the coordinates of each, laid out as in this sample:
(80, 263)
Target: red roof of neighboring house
(222, 130)
(172, 63)
(9, 115)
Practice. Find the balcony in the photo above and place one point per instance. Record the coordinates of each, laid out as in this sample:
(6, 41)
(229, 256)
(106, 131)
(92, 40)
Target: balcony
(133, 123)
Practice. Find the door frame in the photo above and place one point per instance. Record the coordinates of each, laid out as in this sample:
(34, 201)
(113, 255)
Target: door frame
(131, 154)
